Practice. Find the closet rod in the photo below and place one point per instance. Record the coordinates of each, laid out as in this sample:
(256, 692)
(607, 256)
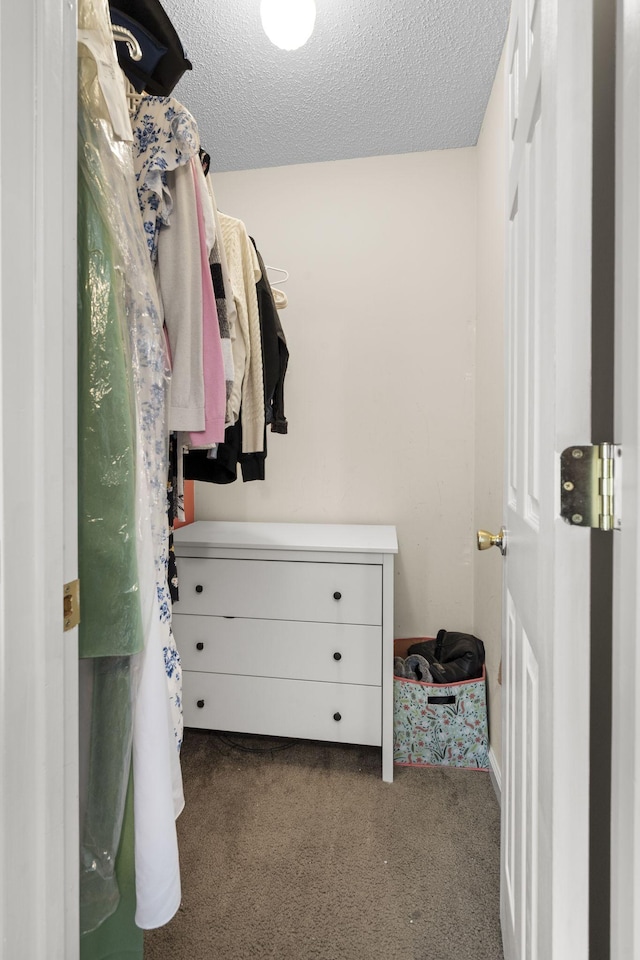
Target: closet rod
(121, 33)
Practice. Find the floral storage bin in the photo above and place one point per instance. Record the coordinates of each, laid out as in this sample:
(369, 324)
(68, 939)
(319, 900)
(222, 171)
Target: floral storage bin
(440, 724)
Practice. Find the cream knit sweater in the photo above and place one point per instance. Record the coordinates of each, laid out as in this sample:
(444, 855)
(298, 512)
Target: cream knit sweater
(248, 387)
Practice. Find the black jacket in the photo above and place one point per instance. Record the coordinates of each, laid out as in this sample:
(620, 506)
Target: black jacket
(275, 357)
(275, 353)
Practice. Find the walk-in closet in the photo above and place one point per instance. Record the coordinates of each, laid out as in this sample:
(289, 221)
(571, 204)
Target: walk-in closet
(289, 252)
(318, 500)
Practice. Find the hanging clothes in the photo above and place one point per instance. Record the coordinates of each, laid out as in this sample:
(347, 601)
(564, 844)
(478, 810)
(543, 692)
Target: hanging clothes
(182, 336)
(111, 630)
(172, 484)
(166, 145)
(230, 302)
(248, 388)
(106, 442)
(222, 469)
(156, 770)
(119, 938)
(108, 567)
(163, 61)
(275, 353)
(213, 364)
(217, 280)
(165, 139)
(158, 796)
(221, 287)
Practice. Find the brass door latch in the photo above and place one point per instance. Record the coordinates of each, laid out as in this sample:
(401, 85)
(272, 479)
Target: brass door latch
(71, 605)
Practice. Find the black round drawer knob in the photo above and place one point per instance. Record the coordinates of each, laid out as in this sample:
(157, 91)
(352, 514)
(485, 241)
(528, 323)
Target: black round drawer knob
(199, 588)
(200, 645)
(200, 704)
(337, 595)
(337, 656)
(337, 717)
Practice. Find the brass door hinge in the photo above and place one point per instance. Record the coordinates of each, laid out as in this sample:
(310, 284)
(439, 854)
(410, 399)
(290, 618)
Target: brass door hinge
(71, 605)
(590, 483)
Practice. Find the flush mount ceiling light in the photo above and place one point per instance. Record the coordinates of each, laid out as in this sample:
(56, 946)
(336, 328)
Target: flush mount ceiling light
(288, 23)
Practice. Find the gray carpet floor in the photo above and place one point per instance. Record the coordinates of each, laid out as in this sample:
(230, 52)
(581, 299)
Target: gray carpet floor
(304, 853)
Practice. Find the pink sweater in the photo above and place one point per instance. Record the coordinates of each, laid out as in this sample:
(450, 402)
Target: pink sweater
(215, 394)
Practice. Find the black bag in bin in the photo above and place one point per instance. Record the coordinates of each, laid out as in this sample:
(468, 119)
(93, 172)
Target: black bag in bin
(452, 656)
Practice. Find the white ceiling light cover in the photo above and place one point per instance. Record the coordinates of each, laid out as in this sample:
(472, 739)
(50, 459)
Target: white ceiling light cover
(288, 23)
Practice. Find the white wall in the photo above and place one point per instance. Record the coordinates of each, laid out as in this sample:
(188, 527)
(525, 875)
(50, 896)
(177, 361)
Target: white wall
(489, 389)
(379, 393)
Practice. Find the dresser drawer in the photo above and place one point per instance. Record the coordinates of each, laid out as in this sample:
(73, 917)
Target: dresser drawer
(297, 650)
(281, 590)
(345, 713)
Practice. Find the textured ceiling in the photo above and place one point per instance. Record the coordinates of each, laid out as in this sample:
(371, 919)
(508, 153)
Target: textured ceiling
(377, 77)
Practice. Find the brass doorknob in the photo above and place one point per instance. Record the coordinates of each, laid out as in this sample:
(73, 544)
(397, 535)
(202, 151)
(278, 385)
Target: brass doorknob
(486, 540)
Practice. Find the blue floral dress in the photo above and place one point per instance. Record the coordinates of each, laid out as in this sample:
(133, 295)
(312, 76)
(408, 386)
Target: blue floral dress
(165, 137)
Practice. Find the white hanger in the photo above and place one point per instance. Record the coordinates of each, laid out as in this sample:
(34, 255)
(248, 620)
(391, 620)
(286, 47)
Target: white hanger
(124, 35)
(133, 98)
(135, 52)
(279, 270)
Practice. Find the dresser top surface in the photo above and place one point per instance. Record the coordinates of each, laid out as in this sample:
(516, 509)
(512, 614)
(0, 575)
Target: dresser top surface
(336, 537)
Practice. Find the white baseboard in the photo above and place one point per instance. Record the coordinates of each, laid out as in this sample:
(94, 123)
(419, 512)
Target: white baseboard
(496, 775)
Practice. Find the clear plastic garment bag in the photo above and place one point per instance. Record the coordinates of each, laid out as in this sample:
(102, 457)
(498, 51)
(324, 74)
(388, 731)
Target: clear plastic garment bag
(127, 731)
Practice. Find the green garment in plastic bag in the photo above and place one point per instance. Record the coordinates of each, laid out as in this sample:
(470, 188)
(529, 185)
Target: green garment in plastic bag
(111, 618)
(118, 938)
(108, 718)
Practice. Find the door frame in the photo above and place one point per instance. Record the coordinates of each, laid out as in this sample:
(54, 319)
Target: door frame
(38, 496)
(625, 790)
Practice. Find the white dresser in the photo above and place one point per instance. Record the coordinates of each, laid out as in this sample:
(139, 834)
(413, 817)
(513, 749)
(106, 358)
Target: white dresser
(286, 629)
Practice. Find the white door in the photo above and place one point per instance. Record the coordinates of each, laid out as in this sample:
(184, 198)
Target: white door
(38, 662)
(545, 778)
(625, 796)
